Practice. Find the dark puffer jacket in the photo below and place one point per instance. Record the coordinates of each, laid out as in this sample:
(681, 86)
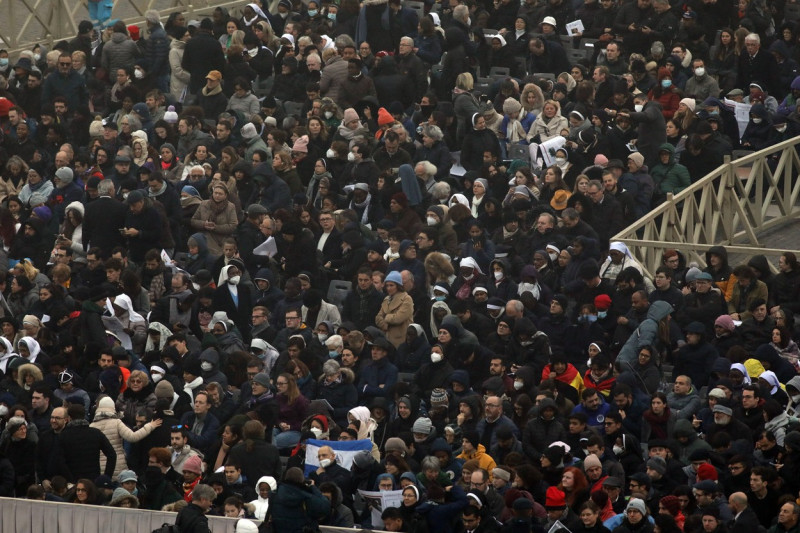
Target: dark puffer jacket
(295, 507)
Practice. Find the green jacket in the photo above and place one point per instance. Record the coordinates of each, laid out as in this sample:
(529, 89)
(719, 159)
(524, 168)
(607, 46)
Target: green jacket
(672, 177)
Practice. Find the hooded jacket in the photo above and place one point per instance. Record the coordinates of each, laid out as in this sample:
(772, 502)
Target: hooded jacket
(723, 277)
(646, 334)
(108, 421)
(672, 177)
(296, 507)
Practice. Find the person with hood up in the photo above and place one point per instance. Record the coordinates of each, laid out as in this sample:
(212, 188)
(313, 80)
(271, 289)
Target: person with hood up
(721, 272)
(647, 334)
(757, 132)
(502, 285)
(668, 175)
(210, 364)
(542, 431)
(296, 504)
(107, 420)
(415, 351)
(265, 488)
(408, 261)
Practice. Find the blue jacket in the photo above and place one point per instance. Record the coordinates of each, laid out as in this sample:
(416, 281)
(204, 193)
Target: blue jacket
(375, 374)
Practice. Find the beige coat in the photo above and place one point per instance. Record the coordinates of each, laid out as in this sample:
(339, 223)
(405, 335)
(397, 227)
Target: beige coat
(116, 431)
(225, 224)
(395, 317)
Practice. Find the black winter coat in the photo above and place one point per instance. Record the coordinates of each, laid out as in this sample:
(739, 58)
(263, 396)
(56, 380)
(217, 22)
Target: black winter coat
(263, 460)
(80, 447)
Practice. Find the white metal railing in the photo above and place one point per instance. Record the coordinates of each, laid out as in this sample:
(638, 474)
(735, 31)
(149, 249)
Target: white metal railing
(730, 206)
(25, 23)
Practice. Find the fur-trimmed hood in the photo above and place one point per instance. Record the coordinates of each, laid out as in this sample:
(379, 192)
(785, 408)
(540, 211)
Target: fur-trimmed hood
(28, 369)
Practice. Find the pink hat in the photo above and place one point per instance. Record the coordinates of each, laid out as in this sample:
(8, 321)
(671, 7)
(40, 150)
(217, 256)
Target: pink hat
(350, 114)
(301, 144)
(726, 322)
(193, 464)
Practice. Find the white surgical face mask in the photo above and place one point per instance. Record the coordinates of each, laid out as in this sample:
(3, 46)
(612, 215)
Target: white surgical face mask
(328, 114)
(351, 157)
(206, 366)
(325, 463)
(552, 255)
(253, 52)
(234, 280)
(436, 357)
(196, 286)
(322, 337)
(156, 377)
(469, 277)
(138, 74)
(757, 120)
(699, 71)
(317, 432)
(431, 221)
(781, 129)
(169, 364)
(518, 385)
(330, 154)
(37, 57)
(638, 107)
(560, 161)
(3, 410)
(498, 275)
(618, 449)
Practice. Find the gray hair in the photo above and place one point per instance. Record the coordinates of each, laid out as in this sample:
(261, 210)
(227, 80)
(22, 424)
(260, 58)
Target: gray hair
(152, 17)
(753, 37)
(106, 188)
(409, 40)
(441, 190)
(434, 132)
(428, 167)
(330, 368)
(334, 341)
(204, 492)
(461, 12)
(430, 463)
(344, 41)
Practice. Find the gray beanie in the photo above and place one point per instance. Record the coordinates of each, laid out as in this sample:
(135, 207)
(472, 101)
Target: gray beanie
(422, 425)
(170, 147)
(37, 199)
(658, 464)
(249, 131)
(692, 273)
(65, 175)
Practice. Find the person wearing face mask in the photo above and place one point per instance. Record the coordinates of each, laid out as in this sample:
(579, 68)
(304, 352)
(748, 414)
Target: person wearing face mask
(782, 129)
(759, 128)
(665, 93)
(652, 128)
(209, 364)
(701, 85)
(331, 471)
(433, 373)
(233, 299)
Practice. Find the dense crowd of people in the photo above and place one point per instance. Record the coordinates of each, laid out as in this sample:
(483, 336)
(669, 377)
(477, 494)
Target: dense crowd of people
(395, 224)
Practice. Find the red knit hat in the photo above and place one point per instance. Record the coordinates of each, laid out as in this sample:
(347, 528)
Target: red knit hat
(323, 420)
(555, 498)
(401, 198)
(706, 471)
(133, 31)
(384, 117)
(672, 504)
(602, 302)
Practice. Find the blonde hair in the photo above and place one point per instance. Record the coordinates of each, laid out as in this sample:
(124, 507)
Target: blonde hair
(140, 375)
(465, 82)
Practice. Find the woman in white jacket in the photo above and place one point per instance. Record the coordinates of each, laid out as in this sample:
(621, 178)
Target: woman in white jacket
(108, 421)
(179, 78)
